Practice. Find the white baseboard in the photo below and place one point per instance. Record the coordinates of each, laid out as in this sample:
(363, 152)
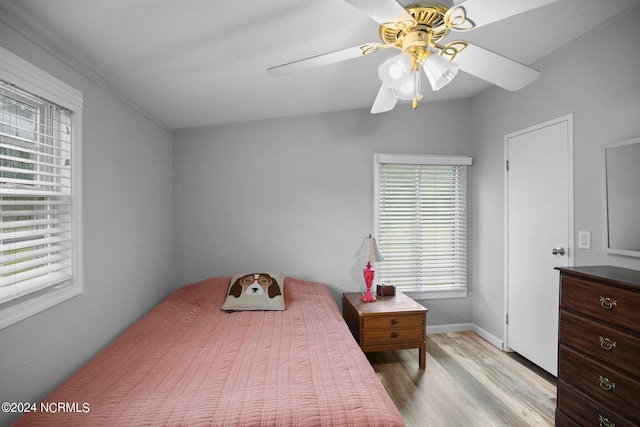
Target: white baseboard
(491, 339)
(463, 327)
(453, 327)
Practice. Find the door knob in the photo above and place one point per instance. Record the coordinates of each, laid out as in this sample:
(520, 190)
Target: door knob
(558, 251)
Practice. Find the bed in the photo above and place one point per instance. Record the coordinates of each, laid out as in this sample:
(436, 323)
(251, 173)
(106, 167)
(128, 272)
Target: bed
(187, 362)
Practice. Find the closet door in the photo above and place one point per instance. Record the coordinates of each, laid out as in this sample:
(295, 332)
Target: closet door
(539, 218)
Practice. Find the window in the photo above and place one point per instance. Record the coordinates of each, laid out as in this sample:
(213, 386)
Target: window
(421, 220)
(40, 254)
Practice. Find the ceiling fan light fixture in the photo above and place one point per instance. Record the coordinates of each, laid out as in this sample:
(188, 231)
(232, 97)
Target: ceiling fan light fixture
(401, 74)
(395, 70)
(409, 88)
(439, 71)
(406, 89)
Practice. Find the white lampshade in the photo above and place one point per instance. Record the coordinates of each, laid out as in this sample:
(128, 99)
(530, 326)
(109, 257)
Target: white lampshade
(394, 71)
(397, 74)
(369, 251)
(439, 71)
(409, 88)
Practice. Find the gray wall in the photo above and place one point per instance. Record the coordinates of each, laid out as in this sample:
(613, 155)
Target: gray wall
(598, 80)
(127, 240)
(296, 195)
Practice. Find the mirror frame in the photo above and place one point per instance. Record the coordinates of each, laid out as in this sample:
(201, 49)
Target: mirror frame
(605, 199)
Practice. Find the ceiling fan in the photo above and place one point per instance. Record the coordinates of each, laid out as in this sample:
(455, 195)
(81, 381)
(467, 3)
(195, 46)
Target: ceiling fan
(418, 31)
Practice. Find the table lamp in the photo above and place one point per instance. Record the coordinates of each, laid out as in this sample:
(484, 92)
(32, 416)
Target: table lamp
(369, 252)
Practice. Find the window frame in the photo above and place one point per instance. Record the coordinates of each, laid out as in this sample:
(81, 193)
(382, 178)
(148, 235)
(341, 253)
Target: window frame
(434, 291)
(29, 78)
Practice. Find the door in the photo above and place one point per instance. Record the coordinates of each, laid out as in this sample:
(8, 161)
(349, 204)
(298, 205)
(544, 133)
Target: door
(539, 222)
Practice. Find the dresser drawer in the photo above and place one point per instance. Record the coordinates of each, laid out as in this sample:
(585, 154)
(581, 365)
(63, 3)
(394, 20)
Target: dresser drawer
(563, 421)
(586, 412)
(618, 349)
(600, 382)
(607, 303)
(416, 321)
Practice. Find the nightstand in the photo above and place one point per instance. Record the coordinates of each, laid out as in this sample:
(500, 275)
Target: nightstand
(390, 323)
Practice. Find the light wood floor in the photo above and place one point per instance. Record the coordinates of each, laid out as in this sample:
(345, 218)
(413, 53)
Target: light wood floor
(467, 382)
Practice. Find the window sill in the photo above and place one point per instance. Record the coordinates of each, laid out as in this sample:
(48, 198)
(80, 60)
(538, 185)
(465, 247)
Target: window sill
(22, 309)
(438, 293)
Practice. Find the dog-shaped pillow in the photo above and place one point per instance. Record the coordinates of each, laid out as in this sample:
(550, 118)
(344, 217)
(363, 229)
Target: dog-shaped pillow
(255, 291)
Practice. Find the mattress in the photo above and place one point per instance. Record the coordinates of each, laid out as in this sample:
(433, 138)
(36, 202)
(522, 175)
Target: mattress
(187, 362)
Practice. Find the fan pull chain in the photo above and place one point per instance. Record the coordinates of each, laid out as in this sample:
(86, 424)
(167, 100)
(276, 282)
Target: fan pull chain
(418, 94)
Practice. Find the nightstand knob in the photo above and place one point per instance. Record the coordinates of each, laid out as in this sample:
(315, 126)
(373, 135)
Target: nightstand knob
(394, 321)
(394, 335)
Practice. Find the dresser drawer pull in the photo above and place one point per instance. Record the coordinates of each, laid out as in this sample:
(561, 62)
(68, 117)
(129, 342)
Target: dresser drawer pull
(607, 303)
(394, 335)
(606, 384)
(394, 321)
(607, 344)
(604, 422)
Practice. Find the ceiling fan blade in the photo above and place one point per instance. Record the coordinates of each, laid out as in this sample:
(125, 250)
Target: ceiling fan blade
(323, 59)
(382, 11)
(483, 12)
(385, 100)
(495, 68)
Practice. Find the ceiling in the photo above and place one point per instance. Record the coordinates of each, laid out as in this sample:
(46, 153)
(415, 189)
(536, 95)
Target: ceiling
(202, 62)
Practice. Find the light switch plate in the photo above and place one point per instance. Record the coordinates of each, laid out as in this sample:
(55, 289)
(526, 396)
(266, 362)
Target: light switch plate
(584, 239)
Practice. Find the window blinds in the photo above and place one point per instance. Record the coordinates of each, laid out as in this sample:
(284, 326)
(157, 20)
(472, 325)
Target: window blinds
(35, 193)
(422, 222)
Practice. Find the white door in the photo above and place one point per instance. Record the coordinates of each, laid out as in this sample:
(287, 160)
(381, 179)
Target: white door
(539, 236)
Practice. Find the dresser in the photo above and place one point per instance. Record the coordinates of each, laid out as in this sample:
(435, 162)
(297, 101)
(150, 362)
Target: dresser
(599, 347)
(390, 323)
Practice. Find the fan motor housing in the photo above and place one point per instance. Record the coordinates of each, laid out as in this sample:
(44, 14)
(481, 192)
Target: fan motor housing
(429, 23)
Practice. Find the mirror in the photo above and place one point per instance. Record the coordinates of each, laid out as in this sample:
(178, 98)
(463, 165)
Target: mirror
(621, 161)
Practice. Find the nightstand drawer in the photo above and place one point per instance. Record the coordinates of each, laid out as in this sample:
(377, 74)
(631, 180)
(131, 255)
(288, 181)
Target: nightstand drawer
(390, 336)
(393, 322)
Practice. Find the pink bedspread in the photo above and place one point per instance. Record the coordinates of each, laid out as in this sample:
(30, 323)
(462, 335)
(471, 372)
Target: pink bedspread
(189, 363)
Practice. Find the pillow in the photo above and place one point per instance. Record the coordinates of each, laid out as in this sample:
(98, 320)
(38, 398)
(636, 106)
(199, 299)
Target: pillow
(255, 291)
